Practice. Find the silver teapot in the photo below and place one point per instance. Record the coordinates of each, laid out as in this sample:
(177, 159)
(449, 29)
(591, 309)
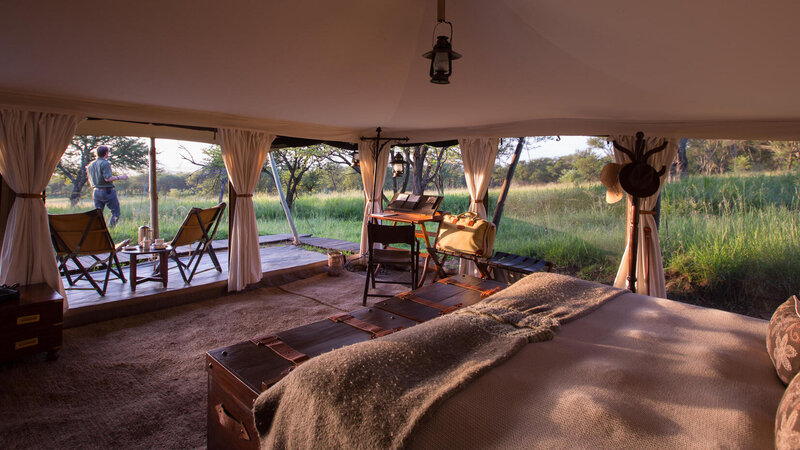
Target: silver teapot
(145, 233)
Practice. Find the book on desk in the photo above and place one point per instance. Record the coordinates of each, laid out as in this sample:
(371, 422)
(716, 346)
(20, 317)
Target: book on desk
(403, 202)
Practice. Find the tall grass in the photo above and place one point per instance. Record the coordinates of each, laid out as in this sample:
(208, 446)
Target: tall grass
(727, 241)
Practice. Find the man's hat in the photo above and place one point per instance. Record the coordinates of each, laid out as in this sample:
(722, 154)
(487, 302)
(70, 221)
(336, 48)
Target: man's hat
(639, 179)
(609, 176)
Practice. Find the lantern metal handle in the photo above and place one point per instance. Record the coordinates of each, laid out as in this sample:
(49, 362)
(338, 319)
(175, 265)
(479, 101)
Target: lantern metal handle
(437, 26)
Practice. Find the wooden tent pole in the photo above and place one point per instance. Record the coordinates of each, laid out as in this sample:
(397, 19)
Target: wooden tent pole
(633, 242)
(153, 189)
(501, 200)
(231, 210)
(286, 211)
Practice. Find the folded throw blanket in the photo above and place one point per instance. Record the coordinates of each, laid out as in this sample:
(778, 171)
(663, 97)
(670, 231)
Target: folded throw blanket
(373, 394)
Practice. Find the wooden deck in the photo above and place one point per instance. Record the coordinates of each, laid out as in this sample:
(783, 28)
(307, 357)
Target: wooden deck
(279, 264)
(219, 244)
(331, 244)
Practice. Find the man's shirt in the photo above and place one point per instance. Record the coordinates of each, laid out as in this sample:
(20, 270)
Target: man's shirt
(98, 171)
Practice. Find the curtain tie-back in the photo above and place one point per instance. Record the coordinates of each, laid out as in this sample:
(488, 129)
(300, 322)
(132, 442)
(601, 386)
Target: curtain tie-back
(244, 195)
(642, 211)
(30, 195)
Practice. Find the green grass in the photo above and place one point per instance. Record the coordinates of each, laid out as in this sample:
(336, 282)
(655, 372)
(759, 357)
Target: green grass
(728, 241)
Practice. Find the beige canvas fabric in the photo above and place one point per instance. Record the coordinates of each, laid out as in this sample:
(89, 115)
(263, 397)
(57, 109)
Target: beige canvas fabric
(649, 263)
(370, 168)
(555, 67)
(638, 372)
(244, 153)
(31, 144)
(478, 156)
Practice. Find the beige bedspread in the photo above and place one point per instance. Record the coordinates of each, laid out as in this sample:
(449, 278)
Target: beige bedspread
(637, 373)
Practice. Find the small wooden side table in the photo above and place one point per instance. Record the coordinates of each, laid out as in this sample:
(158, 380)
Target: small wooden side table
(163, 267)
(32, 323)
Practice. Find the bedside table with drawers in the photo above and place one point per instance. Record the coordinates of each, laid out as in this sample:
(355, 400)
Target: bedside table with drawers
(32, 323)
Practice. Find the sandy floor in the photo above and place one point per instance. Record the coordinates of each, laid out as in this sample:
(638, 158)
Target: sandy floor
(139, 381)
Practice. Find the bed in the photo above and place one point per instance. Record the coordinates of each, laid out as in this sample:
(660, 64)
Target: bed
(630, 371)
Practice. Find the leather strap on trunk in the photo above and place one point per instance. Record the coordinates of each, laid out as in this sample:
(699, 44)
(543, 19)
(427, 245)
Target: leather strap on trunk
(281, 349)
(374, 330)
(388, 309)
(443, 309)
(484, 292)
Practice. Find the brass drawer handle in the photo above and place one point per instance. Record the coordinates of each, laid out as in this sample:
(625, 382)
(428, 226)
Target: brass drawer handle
(26, 343)
(23, 320)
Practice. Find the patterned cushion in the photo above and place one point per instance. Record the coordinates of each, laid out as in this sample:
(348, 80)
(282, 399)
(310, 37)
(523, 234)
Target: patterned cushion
(787, 427)
(783, 340)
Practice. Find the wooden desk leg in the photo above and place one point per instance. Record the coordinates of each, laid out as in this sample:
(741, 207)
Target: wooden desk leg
(431, 256)
(162, 258)
(424, 272)
(133, 272)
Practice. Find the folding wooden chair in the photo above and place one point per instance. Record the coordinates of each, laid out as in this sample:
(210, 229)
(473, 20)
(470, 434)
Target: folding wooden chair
(199, 227)
(85, 234)
(387, 235)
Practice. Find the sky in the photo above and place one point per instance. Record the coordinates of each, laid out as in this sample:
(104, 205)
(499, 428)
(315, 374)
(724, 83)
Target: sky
(168, 151)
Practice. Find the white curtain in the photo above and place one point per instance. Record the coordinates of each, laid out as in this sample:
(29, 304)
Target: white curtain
(649, 264)
(31, 144)
(478, 156)
(244, 153)
(369, 169)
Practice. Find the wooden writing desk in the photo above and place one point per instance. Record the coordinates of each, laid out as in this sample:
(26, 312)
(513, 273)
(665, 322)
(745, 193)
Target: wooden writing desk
(419, 220)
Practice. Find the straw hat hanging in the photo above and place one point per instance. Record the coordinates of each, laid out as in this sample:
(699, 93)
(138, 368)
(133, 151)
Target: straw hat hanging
(609, 176)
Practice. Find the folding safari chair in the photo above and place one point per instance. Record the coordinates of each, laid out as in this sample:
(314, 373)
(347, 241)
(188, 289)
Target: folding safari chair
(387, 235)
(85, 234)
(199, 227)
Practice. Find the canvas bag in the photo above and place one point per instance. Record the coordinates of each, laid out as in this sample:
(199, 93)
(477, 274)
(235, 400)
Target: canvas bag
(467, 234)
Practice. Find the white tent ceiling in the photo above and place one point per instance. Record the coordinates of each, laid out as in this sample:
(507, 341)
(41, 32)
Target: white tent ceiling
(336, 70)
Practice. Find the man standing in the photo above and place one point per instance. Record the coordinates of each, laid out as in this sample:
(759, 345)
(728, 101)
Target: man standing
(101, 180)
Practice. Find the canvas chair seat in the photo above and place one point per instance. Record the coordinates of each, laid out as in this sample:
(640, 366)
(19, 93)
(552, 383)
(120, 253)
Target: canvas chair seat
(85, 234)
(198, 228)
(388, 235)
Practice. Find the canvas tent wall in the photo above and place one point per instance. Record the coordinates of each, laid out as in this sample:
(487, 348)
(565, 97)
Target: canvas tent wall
(335, 71)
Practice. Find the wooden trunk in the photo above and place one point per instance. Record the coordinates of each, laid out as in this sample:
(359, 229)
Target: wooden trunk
(239, 373)
(32, 323)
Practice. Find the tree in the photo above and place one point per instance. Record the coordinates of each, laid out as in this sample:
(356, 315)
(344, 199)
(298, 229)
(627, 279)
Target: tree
(211, 175)
(296, 162)
(718, 155)
(711, 155)
(681, 164)
(126, 153)
(588, 165)
(786, 151)
(341, 157)
(335, 175)
(170, 181)
(599, 143)
(425, 163)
